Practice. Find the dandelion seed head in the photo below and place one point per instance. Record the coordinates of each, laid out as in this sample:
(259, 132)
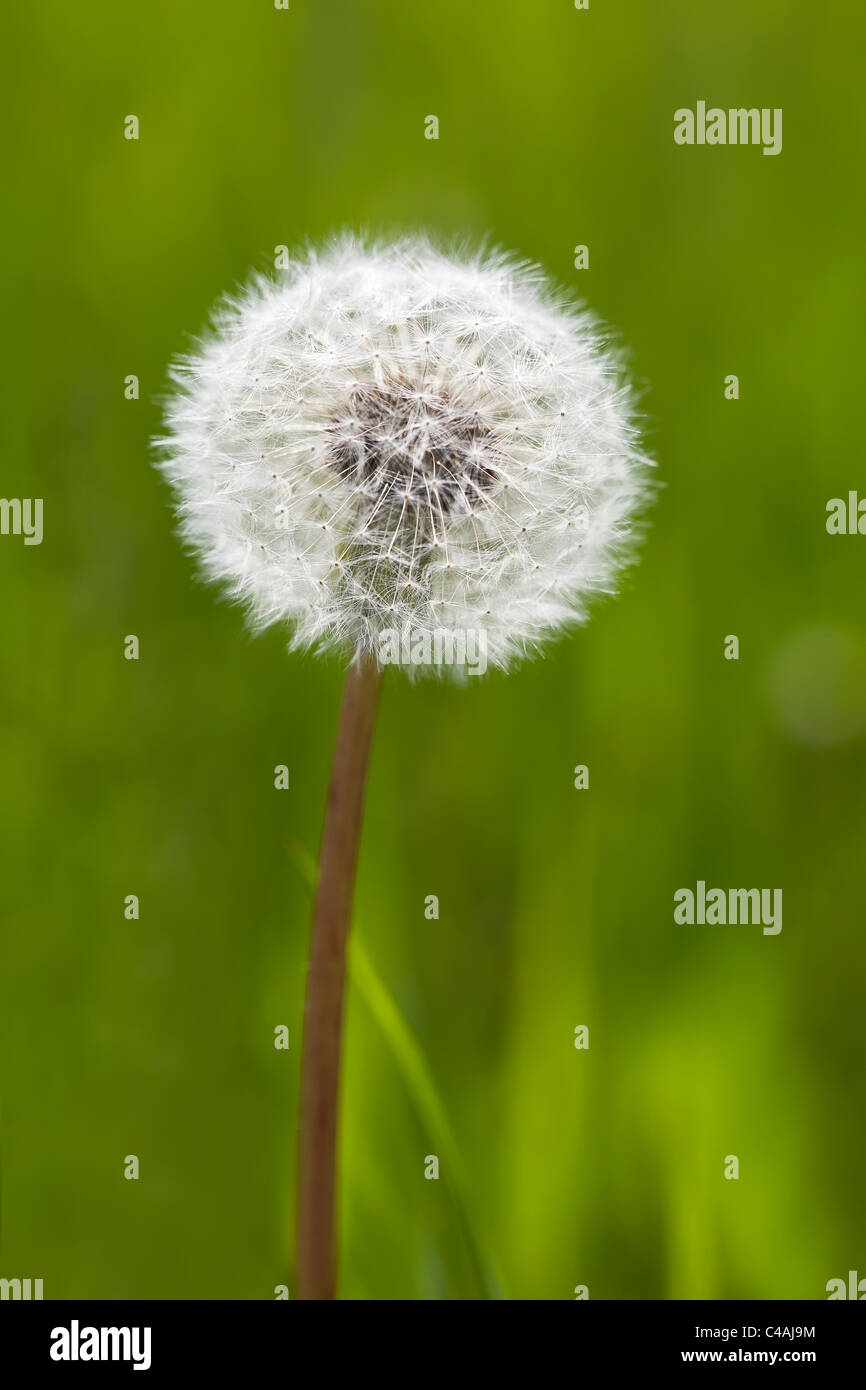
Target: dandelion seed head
(385, 437)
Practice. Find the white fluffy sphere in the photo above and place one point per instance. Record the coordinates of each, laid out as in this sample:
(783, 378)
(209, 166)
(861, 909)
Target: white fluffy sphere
(389, 440)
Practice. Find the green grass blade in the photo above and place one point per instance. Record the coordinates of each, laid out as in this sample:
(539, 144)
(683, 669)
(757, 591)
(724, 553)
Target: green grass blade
(409, 1057)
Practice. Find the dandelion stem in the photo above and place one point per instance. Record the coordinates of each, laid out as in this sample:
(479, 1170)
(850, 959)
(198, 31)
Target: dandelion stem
(323, 1020)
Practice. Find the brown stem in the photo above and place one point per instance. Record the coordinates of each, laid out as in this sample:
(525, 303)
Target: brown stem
(323, 1020)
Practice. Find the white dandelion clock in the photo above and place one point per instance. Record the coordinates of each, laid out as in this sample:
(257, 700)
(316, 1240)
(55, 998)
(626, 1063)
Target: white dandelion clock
(389, 441)
(392, 450)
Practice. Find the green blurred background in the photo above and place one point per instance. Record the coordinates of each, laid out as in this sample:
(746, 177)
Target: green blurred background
(155, 1037)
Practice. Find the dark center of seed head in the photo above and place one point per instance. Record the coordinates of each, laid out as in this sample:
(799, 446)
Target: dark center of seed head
(417, 448)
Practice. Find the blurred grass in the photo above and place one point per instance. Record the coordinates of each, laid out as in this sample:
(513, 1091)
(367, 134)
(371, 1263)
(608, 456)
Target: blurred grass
(419, 1080)
(155, 1037)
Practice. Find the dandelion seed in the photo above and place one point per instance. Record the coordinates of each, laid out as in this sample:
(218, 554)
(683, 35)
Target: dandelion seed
(393, 452)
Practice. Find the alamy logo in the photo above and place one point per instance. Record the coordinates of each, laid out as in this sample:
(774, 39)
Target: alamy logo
(733, 907)
(855, 1288)
(22, 516)
(846, 518)
(443, 646)
(23, 1289)
(74, 1343)
(737, 126)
